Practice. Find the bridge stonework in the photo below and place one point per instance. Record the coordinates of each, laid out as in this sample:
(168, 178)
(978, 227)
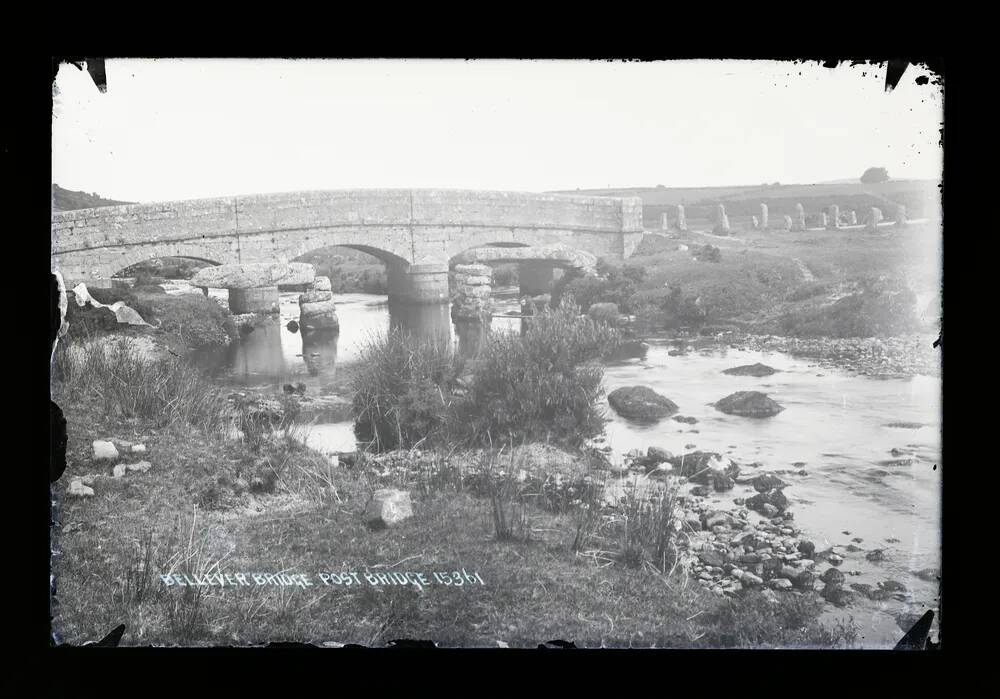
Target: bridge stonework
(415, 232)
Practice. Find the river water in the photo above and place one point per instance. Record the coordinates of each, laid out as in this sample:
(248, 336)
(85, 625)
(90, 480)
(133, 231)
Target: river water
(838, 428)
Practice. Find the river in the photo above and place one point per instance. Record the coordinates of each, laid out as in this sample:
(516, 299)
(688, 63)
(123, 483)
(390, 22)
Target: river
(840, 428)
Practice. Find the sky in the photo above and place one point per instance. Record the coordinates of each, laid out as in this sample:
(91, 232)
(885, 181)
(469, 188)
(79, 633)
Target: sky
(171, 129)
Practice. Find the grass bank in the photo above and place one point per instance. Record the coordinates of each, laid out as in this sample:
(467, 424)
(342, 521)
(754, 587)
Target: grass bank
(547, 558)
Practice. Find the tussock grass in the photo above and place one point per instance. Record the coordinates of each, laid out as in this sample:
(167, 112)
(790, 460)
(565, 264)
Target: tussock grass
(128, 383)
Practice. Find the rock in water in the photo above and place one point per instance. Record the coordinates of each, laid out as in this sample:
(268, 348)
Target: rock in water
(749, 404)
(757, 369)
(105, 451)
(641, 403)
(388, 507)
(773, 498)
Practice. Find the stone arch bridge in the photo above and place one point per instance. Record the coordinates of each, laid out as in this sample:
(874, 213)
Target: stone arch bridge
(417, 233)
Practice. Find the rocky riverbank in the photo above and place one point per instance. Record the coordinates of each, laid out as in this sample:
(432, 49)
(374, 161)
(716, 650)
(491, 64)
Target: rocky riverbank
(753, 545)
(891, 357)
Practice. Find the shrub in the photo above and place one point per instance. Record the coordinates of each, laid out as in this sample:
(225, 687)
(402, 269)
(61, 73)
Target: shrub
(545, 383)
(614, 285)
(880, 307)
(808, 290)
(708, 253)
(401, 392)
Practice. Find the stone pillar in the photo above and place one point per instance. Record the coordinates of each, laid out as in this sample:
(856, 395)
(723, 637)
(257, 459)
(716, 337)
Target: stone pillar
(473, 293)
(258, 299)
(900, 215)
(799, 220)
(834, 217)
(874, 217)
(788, 222)
(664, 222)
(852, 217)
(682, 224)
(418, 283)
(763, 216)
(535, 278)
(317, 309)
(721, 221)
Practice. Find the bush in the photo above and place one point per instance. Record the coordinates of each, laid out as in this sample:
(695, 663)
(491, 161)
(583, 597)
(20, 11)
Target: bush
(614, 285)
(708, 253)
(402, 390)
(544, 384)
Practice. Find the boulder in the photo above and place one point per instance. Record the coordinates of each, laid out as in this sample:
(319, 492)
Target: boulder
(773, 498)
(749, 404)
(78, 489)
(388, 507)
(318, 314)
(832, 575)
(700, 464)
(322, 284)
(711, 558)
(641, 403)
(876, 556)
(766, 482)
(141, 466)
(104, 451)
(806, 547)
(253, 275)
(118, 471)
(138, 449)
(757, 369)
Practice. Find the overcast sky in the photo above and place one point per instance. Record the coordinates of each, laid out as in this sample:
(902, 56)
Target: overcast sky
(181, 129)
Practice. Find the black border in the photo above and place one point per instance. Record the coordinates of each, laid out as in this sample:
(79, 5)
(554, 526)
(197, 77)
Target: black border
(28, 141)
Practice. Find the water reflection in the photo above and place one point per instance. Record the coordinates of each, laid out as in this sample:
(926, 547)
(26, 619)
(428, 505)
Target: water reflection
(470, 337)
(423, 321)
(319, 351)
(259, 351)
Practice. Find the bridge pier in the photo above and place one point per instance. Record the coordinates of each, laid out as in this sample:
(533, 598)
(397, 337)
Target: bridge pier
(418, 283)
(258, 299)
(535, 278)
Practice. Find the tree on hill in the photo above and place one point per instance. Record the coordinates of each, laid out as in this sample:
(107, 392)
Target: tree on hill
(875, 174)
